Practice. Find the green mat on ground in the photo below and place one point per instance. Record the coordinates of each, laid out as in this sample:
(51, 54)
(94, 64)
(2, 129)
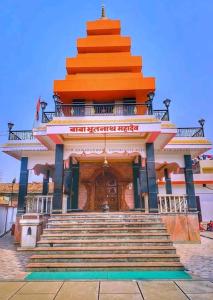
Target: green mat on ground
(111, 275)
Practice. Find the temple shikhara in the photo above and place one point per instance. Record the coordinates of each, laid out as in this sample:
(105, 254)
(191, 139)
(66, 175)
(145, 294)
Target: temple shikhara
(125, 182)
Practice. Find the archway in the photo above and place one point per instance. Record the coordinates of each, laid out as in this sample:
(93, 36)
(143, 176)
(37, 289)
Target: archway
(106, 191)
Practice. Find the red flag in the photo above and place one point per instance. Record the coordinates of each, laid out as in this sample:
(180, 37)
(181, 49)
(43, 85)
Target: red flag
(38, 105)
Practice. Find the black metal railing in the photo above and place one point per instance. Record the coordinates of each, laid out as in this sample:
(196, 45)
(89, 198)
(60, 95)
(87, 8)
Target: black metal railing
(190, 132)
(48, 116)
(161, 114)
(67, 110)
(111, 109)
(20, 135)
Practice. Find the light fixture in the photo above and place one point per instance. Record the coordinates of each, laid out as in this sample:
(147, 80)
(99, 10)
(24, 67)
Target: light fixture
(43, 105)
(56, 98)
(167, 102)
(151, 96)
(201, 122)
(10, 126)
(105, 164)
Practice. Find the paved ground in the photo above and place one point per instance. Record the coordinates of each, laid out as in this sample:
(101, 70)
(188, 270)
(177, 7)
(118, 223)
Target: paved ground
(107, 290)
(11, 262)
(197, 258)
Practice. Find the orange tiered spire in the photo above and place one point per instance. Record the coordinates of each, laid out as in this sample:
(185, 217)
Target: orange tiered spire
(104, 68)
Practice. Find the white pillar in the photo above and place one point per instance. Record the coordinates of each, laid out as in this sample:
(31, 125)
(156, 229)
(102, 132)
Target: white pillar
(31, 228)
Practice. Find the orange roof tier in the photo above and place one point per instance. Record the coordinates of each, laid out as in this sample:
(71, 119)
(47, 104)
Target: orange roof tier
(103, 27)
(104, 62)
(104, 68)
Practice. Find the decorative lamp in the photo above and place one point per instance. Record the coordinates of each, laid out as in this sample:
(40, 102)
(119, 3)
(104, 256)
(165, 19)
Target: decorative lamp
(43, 105)
(151, 96)
(10, 126)
(167, 102)
(201, 122)
(56, 98)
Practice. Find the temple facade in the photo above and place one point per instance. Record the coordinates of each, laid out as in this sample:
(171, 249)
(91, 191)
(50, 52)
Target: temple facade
(105, 146)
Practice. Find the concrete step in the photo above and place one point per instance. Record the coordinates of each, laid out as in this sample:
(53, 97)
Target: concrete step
(105, 215)
(105, 266)
(102, 230)
(104, 250)
(77, 236)
(109, 242)
(105, 241)
(134, 257)
(109, 219)
(104, 224)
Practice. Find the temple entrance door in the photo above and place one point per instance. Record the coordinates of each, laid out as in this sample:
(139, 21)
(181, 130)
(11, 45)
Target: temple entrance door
(106, 191)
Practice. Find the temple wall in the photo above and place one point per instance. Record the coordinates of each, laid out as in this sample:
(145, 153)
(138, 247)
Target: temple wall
(206, 197)
(182, 227)
(41, 158)
(177, 158)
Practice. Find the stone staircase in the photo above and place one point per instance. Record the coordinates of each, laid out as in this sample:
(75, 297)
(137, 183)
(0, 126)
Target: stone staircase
(104, 241)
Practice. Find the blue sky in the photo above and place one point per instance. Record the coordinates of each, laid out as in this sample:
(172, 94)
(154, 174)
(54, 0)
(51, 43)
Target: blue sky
(174, 38)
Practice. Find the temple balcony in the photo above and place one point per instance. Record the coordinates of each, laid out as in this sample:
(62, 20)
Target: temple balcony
(114, 119)
(104, 110)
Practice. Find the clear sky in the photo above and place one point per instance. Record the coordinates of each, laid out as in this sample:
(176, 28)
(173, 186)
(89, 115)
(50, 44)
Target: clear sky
(174, 37)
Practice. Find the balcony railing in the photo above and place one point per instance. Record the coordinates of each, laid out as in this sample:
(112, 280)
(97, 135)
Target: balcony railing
(39, 204)
(190, 132)
(172, 203)
(161, 114)
(114, 109)
(20, 135)
(48, 116)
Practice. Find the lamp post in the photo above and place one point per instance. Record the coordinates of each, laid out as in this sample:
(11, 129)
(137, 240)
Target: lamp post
(149, 102)
(12, 185)
(57, 101)
(43, 107)
(10, 127)
(167, 102)
(202, 122)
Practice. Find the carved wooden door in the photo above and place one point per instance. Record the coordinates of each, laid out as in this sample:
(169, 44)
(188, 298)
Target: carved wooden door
(106, 191)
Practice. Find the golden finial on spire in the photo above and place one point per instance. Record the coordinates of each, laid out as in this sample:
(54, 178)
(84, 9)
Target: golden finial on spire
(103, 13)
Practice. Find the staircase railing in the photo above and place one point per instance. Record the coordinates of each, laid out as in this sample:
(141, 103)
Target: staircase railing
(39, 204)
(169, 203)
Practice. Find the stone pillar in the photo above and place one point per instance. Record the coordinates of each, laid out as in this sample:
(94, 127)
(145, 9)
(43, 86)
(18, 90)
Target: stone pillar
(23, 183)
(190, 189)
(75, 186)
(45, 187)
(151, 178)
(168, 182)
(68, 184)
(136, 185)
(58, 179)
(143, 183)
